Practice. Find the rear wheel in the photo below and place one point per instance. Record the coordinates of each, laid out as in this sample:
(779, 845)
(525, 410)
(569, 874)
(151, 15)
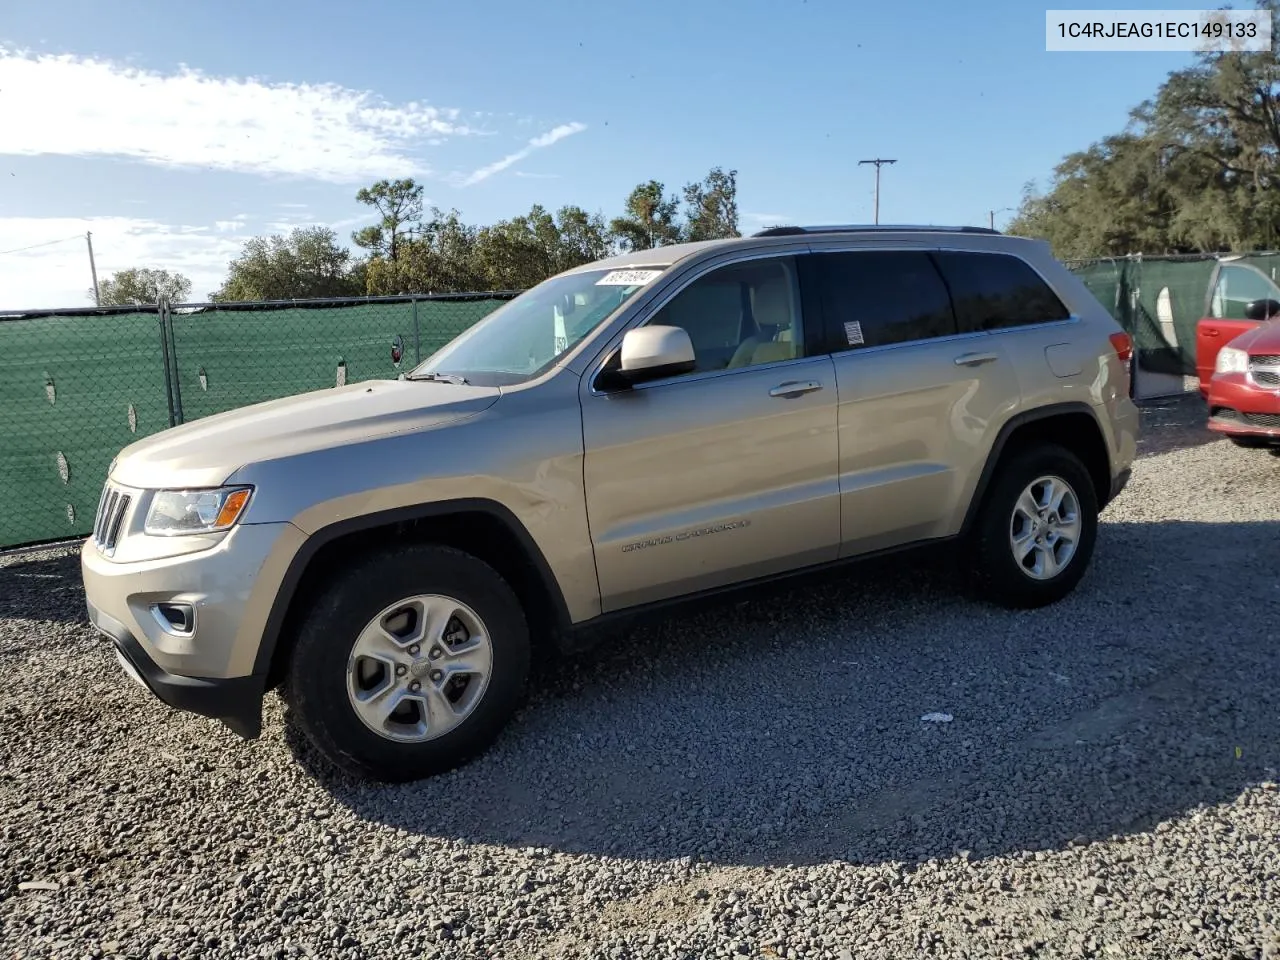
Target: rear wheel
(1036, 531)
(410, 664)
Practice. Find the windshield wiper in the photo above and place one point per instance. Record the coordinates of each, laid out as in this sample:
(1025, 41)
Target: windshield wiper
(441, 378)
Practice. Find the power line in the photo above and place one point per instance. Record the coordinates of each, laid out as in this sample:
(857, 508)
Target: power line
(47, 243)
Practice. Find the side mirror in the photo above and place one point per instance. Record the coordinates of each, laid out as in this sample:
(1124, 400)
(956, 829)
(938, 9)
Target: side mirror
(1261, 309)
(649, 353)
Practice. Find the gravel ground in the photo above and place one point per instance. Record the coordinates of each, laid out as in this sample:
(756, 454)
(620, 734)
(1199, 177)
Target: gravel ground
(753, 781)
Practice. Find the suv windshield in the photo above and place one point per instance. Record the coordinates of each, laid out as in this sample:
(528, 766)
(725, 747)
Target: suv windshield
(521, 339)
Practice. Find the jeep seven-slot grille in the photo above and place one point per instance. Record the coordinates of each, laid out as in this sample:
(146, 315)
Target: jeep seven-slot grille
(111, 512)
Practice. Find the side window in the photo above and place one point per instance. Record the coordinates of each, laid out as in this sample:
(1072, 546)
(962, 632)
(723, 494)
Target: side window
(996, 290)
(740, 315)
(1236, 288)
(874, 298)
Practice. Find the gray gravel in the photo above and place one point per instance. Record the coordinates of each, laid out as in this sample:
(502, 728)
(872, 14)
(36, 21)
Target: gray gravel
(753, 781)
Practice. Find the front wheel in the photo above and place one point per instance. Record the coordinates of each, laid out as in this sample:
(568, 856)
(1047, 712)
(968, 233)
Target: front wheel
(1036, 530)
(409, 664)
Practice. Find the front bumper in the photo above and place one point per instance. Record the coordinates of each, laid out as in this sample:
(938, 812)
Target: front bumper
(1240, 408)
(214, 668)
(236, 701)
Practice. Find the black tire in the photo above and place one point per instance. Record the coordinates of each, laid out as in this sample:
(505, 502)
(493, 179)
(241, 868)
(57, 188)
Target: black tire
(997, 575)
(315, 686)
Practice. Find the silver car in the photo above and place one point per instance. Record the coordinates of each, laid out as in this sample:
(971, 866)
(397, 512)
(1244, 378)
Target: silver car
(650, 428)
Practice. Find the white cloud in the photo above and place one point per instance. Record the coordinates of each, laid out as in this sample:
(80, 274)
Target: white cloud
(537, 143)
(228, 226)
(57, 274)
(352, 221)
(80, 106)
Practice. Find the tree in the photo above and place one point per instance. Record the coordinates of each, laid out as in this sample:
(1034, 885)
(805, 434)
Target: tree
(141, 285)
(399, 206)
(711, 207)
(650, 219)
(583, 237)
(439, 259)
(307, 263)
(1197, 169)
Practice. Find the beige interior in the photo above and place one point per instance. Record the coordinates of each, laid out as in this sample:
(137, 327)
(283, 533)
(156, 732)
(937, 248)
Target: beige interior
(772, 307)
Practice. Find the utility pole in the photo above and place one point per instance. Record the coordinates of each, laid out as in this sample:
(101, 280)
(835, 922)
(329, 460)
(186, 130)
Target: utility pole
(878, 164)
(992, 215)
(97, 297)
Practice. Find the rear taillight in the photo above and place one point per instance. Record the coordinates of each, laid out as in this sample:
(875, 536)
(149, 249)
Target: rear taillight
(1123, 344)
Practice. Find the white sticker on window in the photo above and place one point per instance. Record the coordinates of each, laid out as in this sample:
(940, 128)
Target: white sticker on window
(627, 278)
(853, 333)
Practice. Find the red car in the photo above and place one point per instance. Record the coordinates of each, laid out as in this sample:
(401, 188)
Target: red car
(1239, 366)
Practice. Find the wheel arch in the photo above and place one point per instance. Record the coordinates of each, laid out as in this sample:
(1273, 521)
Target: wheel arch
(1071, 425)
(491, 531)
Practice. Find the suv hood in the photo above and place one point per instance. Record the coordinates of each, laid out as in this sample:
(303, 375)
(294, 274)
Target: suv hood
(205, 452)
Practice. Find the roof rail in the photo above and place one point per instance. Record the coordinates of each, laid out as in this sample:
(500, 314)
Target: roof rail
(869, 228)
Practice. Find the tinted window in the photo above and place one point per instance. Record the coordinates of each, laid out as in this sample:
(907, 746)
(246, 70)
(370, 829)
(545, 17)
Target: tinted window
(876, 298)
(740, 315)
(994, 290)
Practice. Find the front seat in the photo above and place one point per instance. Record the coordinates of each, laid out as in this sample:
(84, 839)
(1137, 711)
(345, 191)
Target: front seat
(771, 309)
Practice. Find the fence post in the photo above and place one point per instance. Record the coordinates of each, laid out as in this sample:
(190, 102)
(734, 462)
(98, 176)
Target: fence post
(167, 320)
(161, 312)
(417, 352)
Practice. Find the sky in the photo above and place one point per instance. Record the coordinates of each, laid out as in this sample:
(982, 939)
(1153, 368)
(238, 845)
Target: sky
(175, 131)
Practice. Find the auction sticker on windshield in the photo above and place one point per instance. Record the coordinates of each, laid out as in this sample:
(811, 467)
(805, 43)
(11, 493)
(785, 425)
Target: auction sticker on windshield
(627, 278)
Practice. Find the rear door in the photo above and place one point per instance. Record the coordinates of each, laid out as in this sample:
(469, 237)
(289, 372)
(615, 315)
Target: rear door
(1054, 355)
(918, 397)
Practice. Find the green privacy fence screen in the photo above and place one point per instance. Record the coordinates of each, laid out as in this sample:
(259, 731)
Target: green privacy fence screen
(1159, 300)
(78, 385)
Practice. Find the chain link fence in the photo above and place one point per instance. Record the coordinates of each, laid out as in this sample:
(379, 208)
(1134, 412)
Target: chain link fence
(76, 386)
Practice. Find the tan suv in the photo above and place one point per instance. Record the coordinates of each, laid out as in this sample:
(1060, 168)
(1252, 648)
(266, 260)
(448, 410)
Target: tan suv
(652, 427)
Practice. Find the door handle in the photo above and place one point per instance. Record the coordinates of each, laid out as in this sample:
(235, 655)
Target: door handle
(794, 388)
(1212, 332)
(974, 359)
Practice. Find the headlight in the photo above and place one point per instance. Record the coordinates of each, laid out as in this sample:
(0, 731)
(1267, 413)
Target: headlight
(176, 512)
(1231, 360)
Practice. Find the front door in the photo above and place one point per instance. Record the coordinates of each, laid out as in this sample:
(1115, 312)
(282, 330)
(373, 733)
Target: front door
(724, 474)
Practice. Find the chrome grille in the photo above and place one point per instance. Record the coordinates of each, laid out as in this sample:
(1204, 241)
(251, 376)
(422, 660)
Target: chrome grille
(1265, 370)
(1263, 419)
(112, 509)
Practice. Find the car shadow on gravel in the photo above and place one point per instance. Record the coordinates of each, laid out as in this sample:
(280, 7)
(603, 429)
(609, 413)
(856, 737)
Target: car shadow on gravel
(1174, 423)
(46, 589)
(789, 728)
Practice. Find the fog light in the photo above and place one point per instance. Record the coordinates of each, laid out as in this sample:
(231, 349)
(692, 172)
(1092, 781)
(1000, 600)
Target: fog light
(178, 619)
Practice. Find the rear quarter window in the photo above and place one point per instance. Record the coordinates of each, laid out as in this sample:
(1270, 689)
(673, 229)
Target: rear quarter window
(994, 291)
